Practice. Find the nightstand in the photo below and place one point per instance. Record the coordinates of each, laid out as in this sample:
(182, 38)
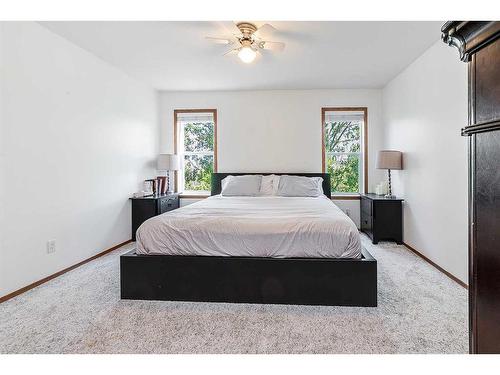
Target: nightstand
(147, 207)
(382, 218)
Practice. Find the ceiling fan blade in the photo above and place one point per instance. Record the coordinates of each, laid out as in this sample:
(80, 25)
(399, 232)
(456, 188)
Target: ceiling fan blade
(230, 51)
(264, 30)
(227, 41)
(231, 27)
(218, 40)
(273, 46)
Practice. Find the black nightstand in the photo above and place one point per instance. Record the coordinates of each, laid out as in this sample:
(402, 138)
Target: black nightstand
(147, 207)
(382, 218)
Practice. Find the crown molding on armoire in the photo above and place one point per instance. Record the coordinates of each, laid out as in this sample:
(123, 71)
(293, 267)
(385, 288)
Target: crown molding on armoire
(469, 36)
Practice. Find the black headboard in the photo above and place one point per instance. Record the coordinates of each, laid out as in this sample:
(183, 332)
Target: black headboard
(218, 177)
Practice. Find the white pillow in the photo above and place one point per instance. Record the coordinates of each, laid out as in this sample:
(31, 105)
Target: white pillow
(276, 182)
(300, 186)
(224, 181)
(246, 185)
(267, 185)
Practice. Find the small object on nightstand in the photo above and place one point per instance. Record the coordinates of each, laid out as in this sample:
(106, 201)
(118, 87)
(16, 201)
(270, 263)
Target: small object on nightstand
(144, 208)
(162, 185)
(382, 218)
(148, 187)
(381, 188)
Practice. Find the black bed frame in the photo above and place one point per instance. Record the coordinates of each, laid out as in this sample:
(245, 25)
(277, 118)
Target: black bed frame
(300, 281)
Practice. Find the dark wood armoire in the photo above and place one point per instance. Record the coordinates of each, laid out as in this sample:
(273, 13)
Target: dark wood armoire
(478, 43)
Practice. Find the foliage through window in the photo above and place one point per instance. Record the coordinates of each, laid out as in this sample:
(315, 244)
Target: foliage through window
(195, 144)
(343, 149)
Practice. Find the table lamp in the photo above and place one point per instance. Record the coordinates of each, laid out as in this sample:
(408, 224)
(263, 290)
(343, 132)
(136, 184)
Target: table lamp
(389, 159)
(167, 163)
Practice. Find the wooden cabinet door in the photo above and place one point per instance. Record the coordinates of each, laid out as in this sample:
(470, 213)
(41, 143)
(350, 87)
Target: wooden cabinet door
(485, 256)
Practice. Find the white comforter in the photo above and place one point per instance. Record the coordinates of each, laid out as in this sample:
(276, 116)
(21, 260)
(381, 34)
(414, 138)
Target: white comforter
(280, 227)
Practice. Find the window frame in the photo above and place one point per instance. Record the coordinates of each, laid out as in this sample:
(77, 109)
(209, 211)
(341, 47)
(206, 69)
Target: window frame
(364, 148)
(213, 111)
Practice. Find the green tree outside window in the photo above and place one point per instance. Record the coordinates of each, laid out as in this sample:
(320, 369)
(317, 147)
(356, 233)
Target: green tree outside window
(198, 155)
(343, 155)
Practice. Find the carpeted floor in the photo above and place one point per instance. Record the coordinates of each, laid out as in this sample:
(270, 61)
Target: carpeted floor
(420, 311)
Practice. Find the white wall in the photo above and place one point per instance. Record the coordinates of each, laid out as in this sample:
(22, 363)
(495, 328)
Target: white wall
(275, 130)
(272, 130)
(77, 138)
(424, 108)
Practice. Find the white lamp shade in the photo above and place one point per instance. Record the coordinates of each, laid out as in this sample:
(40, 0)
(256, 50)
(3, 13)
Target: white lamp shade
(389, 159)
(175, 163)
(168, 162)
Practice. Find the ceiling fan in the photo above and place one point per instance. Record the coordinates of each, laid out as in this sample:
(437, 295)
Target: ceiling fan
(248, 40)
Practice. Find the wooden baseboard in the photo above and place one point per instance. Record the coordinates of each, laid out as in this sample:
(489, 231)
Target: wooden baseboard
(454, 278)
(53, 276)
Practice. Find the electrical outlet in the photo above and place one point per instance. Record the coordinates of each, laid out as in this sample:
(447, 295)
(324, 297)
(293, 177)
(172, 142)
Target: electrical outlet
(51, 246)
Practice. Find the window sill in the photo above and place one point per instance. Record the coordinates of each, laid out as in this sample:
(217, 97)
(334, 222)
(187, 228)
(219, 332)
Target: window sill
(194, 194)
(339, 197)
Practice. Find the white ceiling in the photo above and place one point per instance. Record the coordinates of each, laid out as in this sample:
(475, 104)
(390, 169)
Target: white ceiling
(176, 55)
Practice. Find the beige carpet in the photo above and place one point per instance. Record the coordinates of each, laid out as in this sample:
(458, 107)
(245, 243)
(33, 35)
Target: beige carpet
(420, 311)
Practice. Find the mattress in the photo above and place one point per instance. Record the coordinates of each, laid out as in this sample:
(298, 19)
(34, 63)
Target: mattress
(271, 226)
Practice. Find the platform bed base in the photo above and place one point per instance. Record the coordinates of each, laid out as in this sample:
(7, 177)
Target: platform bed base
(296, 281)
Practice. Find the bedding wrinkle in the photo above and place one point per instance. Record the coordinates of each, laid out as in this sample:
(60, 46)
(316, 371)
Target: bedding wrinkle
(265, 226)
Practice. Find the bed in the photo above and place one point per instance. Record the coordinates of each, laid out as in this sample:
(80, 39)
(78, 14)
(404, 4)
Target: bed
(288, 250)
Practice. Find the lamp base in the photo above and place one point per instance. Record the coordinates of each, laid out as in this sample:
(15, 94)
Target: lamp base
(389, 194)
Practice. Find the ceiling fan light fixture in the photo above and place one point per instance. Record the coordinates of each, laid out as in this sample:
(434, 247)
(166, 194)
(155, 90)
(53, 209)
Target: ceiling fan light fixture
(247, 54)
(247, 41)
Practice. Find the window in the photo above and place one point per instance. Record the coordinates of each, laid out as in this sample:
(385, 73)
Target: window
(345, 149)
(195, 137)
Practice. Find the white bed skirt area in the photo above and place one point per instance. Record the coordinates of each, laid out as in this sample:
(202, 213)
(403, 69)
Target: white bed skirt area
(271, 226)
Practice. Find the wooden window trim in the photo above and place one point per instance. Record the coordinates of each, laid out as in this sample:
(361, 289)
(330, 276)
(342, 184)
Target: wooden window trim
(365, 141)
(346, 197)
(194, 196)
(176, 113)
